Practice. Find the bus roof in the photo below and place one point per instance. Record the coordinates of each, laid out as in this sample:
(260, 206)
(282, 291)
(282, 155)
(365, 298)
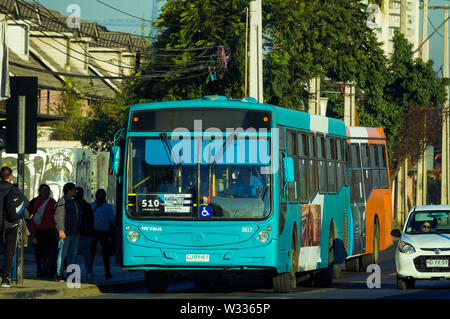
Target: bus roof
(281, 116)
(365, 132)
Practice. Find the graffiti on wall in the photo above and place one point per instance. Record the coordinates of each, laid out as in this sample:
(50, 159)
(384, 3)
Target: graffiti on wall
(54, 167)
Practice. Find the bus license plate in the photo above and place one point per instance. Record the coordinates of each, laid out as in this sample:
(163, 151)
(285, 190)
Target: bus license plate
(437, 262)
(197, 258)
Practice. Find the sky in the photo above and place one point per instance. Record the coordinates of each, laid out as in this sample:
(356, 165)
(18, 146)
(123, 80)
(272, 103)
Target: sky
(93, 10)
(114, 20)
(437, 40)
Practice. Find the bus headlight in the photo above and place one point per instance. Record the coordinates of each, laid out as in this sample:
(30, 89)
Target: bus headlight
(263, 236)
(133, 236)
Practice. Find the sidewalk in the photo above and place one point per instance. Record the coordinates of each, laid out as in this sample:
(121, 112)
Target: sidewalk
(43, 288)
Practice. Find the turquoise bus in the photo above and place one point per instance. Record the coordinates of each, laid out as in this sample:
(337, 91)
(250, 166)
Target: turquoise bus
(217, 188)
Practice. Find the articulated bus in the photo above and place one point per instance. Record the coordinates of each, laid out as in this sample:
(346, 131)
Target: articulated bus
(217, 188)
(371, 200)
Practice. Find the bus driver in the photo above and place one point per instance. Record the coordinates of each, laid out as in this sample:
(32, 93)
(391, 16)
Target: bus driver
(246, 184)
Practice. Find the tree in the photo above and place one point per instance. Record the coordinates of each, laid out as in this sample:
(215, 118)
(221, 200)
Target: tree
(188, 50)
(307, 39)
(70, 106)
(416, 95)
(103, 120)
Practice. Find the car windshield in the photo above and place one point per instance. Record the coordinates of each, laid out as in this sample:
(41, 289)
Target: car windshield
(425, 222)
(161, 186)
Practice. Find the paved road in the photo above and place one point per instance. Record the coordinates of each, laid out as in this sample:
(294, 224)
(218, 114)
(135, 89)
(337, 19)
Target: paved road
(350, 285)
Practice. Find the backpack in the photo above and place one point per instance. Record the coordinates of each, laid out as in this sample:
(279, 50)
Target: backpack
(14, 206)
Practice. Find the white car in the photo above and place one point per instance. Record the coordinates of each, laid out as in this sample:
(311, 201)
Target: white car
(423, 250)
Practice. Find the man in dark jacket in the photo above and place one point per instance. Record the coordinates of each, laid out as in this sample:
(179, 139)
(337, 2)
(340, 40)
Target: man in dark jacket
(9, 229)
(86, 222)
(66, 220)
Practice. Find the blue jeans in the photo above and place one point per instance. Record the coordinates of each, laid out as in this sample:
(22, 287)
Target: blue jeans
(66, 247)
(84, 246)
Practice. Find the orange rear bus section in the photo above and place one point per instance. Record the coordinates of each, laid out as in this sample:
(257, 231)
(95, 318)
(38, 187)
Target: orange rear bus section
(370, 162)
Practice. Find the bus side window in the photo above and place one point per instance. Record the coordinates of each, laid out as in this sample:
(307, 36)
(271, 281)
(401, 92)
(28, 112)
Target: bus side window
(303, 167)
(367, 174)
(374, 167)
(312, 166)
(356, 187)
(292, 152)
(384, 182)
(331, 164)
(346, 160)
(339, 165)
(280, 165)
(322, 169)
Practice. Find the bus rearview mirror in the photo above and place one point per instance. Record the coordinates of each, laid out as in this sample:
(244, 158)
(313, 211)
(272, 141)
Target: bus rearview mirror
(114, 160)
(288, 164)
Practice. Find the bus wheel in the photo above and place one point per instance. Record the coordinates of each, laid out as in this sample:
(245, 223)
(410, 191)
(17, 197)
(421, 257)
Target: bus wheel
(157, 282)
(372, 258)
(324, 277)
(287, 281)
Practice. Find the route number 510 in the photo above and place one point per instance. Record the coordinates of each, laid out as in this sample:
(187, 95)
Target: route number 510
(150, 203)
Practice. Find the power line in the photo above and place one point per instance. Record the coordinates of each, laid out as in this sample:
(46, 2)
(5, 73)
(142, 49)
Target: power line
(86, 76)
(86, 54)
(126, 13)
(55, 19)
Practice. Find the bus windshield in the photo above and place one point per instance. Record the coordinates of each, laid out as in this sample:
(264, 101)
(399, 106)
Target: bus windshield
(170, 179)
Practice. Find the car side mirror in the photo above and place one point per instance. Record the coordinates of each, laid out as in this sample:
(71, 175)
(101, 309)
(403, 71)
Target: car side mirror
(396, 233)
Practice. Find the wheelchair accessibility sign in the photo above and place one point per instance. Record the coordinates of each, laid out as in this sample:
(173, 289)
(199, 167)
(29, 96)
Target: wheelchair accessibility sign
(205, 211)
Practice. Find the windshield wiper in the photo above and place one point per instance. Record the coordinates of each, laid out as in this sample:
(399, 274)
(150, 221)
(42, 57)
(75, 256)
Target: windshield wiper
(163, 137)
(225, 145)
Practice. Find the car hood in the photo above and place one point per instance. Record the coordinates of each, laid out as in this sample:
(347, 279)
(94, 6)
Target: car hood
(427, 240)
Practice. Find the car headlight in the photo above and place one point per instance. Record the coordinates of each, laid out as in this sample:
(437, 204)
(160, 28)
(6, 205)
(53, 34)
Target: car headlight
(133, 236)
(263, 236)
(406, 248)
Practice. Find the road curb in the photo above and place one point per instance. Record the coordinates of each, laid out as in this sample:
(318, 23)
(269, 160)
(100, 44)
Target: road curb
(66, 292)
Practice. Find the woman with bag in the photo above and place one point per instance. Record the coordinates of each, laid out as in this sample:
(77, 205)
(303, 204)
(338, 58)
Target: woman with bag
(43, 232)
(103, 221)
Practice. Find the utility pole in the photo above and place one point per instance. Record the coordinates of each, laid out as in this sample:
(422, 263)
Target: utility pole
(349, 104)
(403, 17)
(422, 173)
(314, 96)
(255, 51)
(444, 163)
(402, 177)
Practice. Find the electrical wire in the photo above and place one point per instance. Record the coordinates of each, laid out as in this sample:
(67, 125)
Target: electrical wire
(126, 13)
(55, 19)
(194, 61)
(85, 76)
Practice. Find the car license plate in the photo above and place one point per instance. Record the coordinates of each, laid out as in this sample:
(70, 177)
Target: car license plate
(197, 258)
(437, 262)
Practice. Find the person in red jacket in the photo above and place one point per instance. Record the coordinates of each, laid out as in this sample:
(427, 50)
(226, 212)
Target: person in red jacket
(43, 232)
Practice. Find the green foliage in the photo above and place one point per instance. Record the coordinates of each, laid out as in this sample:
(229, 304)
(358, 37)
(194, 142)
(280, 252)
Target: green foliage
(307, 39)
(70, 106)
(186, 25)
(303, 39)
(103, 120)
(409, 97)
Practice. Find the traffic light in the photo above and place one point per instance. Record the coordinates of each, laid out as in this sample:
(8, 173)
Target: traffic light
(21, 114)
